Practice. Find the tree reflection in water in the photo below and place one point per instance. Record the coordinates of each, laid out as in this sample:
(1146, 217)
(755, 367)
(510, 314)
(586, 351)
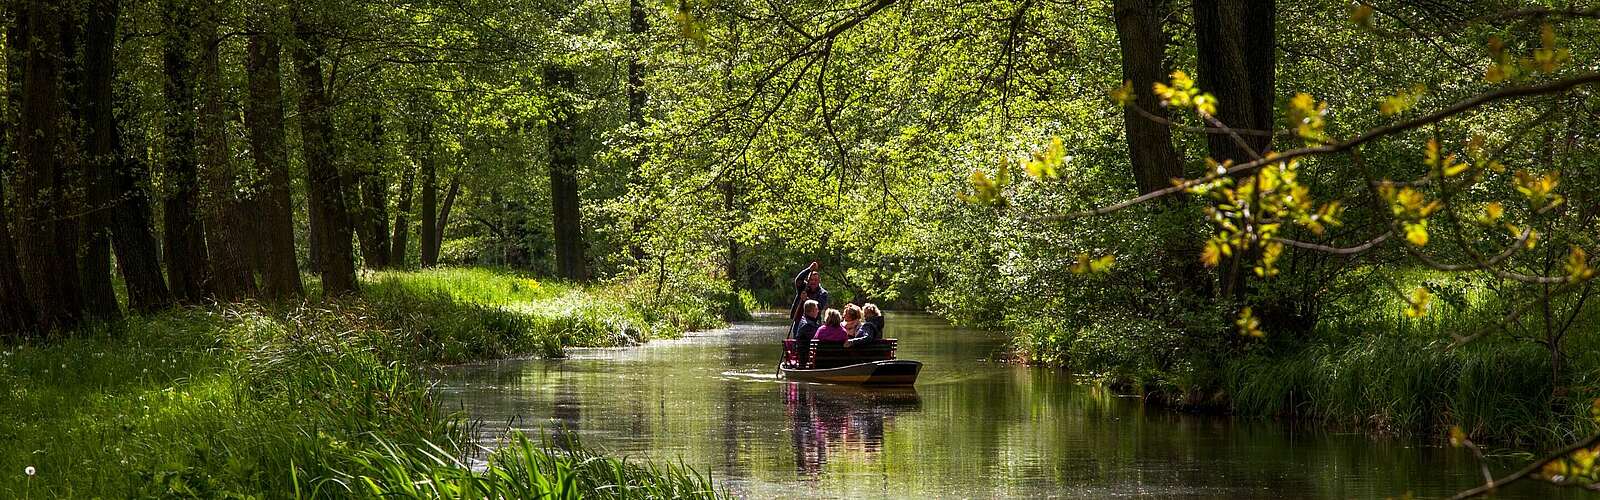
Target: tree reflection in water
(828, 419)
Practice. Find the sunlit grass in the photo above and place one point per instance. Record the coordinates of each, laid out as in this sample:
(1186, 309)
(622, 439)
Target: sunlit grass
(304, 399)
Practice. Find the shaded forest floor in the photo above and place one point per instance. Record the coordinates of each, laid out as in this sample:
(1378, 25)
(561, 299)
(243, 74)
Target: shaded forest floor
(320, 398)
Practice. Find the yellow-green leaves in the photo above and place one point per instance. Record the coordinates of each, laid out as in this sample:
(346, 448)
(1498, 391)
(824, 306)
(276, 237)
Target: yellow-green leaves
(1442, 165)
(1492, 212)
(1503, 66)
(1249, 213)
(1403, 100)
(1307, 114)
(1248, 324)
(1412, 209)
(1417, 302)
(986, 190)
(1269, 258)
(689, 25)
(1539, 190)
(1093, 265)
(1577, 266)
(1416, 232)
(1046, 164)
(1182, 93)
(1548, 56)
(1124, 94)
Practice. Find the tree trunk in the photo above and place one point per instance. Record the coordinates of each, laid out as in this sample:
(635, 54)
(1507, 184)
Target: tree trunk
(1143, 44)
(402, 230)
(126, 202)
(566, 213)
(444, 210)
(638, 26)
(280, 274)
(187, 261)
(373, 218)
(46, 230)
(324, 186)
(1236, 63)
(430, 205)
(89, 161)
(730, 196)
(231, 279)
(16, 313)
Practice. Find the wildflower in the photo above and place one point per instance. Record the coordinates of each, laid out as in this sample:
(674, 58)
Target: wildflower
(28, 470)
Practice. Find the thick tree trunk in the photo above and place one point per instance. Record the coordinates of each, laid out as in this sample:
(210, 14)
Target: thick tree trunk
(324, 186)
(402, 223)
(373, 218)
(231, 279)
(1236, 63)
(16, 313)
(566, 212)
(1143, 44)
(45, 223)
(126, 202)
(280, 274)
(92, 161)
(187, 261)
(430, 205)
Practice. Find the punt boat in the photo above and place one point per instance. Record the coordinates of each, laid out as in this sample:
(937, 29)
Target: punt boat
(833, 363)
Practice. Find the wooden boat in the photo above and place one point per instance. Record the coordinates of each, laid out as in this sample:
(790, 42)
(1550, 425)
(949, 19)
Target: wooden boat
(833, 363)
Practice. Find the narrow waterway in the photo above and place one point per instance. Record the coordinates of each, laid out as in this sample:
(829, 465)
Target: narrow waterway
(971, 428)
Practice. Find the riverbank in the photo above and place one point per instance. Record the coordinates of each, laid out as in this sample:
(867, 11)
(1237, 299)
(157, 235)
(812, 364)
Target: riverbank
(1366, 366)
(321, 399)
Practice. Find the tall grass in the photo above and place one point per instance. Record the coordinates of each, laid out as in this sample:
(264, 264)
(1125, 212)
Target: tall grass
(246, 400)
(1365, 365)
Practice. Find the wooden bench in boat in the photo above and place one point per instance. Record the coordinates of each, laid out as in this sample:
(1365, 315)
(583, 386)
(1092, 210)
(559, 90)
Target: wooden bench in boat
(823, 355)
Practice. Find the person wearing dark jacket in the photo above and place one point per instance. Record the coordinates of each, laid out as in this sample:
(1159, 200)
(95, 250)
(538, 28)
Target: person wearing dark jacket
(808, 286)
(871, 329)
(809, 323)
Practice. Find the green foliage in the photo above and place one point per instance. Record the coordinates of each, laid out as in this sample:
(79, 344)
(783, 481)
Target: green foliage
(235, 400)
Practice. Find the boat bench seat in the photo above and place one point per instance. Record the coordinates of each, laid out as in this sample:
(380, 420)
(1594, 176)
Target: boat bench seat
(835, 354)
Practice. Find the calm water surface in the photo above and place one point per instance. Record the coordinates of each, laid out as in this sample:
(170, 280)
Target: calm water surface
(971, 428)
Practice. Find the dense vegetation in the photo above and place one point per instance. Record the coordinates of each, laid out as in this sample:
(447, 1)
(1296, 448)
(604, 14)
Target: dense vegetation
(316, 398)
(1379, 214)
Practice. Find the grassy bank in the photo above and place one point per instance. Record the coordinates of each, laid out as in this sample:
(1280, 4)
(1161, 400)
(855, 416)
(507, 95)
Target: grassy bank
(1366, 365)
(317, 399)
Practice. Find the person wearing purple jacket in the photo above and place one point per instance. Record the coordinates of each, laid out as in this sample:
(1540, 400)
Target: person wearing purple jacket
(832, 328)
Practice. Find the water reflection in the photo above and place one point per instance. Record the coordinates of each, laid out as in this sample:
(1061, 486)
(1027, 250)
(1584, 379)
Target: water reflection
(970, 428)
(827, 419)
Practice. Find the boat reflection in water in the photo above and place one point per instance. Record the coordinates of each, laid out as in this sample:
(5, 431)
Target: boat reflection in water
(832, 419)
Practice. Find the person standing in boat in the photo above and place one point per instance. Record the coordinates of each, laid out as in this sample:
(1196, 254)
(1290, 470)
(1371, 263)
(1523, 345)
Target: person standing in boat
(871, 329)
(808, 286)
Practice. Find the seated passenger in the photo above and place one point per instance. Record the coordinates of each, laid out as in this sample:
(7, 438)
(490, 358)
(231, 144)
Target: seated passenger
(808, 324)
(871, 329)
(852, 318)
(833, 327)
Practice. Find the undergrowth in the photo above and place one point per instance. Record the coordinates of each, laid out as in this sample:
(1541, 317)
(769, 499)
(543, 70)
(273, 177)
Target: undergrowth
(314, 399)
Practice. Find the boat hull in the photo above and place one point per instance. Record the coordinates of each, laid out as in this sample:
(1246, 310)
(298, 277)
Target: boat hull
(886, 372)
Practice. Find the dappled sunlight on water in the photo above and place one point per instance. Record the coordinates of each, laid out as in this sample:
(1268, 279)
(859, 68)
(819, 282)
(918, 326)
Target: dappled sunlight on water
(970, 428)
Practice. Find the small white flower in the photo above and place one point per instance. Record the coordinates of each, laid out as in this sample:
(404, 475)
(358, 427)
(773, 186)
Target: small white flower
(29, 470)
